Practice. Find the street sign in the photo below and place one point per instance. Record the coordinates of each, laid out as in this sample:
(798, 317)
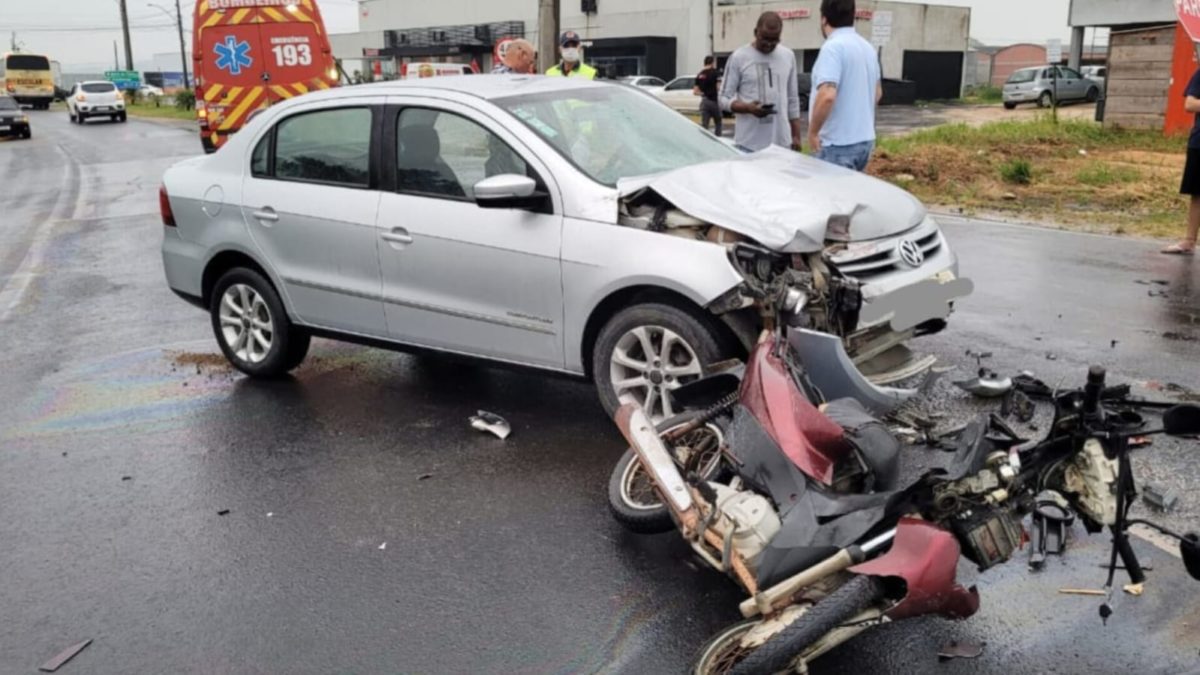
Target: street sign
(1189, 16)
(124, 79)
(881, 28)
(1053, 50)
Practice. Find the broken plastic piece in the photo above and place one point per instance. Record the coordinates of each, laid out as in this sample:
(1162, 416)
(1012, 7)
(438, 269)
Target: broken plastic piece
(1017, 404)
(223, 512)
(63, 656)
(1160, 498)
(492, 423)
(383, 546)
(425, 476)
(1135, 589)
(987, 385)
(961, 650)
(1081, 591)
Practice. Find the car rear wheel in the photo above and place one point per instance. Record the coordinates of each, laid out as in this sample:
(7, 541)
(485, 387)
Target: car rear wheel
(647, 351)
(1010, 106)
(1046, 100)
(252, 327)
(1093, 95)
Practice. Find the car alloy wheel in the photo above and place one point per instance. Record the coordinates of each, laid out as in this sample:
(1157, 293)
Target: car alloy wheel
(647, 364)
(246, 325)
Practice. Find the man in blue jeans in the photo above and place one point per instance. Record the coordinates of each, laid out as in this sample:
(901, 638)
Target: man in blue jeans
(847, 86)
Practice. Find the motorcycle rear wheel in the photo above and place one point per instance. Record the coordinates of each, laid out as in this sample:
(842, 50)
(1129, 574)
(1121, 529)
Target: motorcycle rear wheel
(780, 651)
(631, 495)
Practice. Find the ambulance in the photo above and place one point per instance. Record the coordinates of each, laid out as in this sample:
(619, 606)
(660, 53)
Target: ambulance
(252, 53)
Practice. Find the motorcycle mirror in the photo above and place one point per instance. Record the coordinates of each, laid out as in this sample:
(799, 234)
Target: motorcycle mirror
(1182, 420)
(1189, 550)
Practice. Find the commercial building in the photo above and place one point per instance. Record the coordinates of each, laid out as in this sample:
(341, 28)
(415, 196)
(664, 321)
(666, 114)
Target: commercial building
(1150, 59)
(923, 43)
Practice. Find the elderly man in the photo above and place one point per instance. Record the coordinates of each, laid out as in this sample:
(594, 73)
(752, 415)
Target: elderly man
(519, 57)
(761, 89)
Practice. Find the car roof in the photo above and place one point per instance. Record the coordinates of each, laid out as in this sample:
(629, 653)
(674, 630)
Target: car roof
(98, 82)
(487, 87)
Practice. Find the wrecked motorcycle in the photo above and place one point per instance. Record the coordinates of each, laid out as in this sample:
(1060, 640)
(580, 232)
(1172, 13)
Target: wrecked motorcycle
(791, 515)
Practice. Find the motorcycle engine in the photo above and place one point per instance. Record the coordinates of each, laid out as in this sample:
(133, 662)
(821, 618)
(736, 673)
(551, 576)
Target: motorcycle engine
(750, 518)
(988, 535)
(1093, 478)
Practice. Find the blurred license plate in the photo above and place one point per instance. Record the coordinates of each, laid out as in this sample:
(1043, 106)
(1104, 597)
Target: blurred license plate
(3, 127)
(102, 108)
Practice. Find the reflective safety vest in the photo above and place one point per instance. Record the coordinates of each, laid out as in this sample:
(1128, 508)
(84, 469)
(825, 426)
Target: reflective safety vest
(581, 70)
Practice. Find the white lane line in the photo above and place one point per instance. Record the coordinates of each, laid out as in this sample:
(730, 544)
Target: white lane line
(1158, 539)
(13, 291)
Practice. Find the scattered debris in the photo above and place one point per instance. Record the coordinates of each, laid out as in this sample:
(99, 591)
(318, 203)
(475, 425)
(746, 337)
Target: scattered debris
(1154, 282)
(1052, 518)
(1121, 568)
(1140, 441)
(960, 650)
(978, 356)
(1179, 337)
(425, 476)
(1051, 356)
(1135, 589)
(1009, 196)
(223, 512)
(126, 477)
(492, 423)
(1081, 591)
(1114, 344)
(383, 546)
(987, 385)
(199, 359)
(1017, 404)
(1158, 293)
(270, 514)
(64, 454)
(64, 656)
(1083, 153)
(1159, 497)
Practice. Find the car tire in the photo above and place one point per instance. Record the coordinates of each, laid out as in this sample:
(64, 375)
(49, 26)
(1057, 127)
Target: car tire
(27, 134)
(692, 344)
(80, 118)
(1010, 106)
(1093, 95)
(71, 116)
(124, 116)
(1046, 100)
(251, 326)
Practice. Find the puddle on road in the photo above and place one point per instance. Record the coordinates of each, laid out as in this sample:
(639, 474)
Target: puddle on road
(148, 390)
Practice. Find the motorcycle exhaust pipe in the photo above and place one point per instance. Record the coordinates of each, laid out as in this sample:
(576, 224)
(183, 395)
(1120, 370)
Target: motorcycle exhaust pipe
(765, 602)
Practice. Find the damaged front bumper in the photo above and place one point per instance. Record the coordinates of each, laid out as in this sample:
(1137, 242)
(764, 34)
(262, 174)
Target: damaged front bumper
(832, 370)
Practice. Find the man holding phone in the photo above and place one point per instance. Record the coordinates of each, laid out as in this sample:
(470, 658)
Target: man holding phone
(761, 90)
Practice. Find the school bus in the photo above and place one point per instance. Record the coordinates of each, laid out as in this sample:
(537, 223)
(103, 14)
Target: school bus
(252, 53)
(27, 78)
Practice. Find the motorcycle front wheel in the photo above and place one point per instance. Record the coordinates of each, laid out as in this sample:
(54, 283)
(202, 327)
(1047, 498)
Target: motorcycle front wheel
(631, 495)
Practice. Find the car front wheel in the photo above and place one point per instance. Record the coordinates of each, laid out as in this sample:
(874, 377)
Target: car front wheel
(252, 327)
(647, 351)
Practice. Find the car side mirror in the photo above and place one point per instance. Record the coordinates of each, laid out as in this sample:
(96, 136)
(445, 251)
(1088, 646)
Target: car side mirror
(1182, 420)
(508, 191)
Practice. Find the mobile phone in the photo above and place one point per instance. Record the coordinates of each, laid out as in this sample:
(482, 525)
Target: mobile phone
(768, 107)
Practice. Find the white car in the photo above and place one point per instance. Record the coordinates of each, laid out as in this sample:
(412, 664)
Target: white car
(551, 222)
(646, 82)
(98, 98)
(149, 90)
(678, 93)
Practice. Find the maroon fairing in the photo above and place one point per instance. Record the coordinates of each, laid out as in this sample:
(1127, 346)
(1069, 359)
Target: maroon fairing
(925, 557)
(810, 439)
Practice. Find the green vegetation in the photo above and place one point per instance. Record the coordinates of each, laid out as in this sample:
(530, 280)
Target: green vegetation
(1073, 174)
(1017, 171)
(984, 94)
(185, 99)
(148, 109)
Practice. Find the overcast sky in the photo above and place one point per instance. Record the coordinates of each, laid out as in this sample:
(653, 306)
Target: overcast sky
(80, 33)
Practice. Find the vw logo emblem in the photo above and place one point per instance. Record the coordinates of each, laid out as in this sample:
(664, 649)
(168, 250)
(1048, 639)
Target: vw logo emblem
(910, 252)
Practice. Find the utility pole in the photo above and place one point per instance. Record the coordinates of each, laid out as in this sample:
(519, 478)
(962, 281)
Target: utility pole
(182, 48)
(548, 13)
(14, 41)
(116, 62)
(125, 30)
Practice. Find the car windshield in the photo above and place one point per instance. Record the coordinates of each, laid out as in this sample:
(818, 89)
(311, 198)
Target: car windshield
(7, 103)
(1023, 76)
(611, 133)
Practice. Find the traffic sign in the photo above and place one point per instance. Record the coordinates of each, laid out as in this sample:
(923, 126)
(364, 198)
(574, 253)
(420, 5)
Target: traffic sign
(1189, 16)
(1053, 50)
(881, 28)
(124, 79)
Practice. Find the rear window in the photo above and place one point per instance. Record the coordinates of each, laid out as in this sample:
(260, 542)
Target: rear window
(1022, 76)
(98, 87)
(28, 62)
(328, 146)
(8, 103)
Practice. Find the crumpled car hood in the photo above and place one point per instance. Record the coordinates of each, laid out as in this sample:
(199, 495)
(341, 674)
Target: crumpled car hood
(783, 199)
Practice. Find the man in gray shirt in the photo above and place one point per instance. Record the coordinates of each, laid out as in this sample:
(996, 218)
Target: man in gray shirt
(761, 90)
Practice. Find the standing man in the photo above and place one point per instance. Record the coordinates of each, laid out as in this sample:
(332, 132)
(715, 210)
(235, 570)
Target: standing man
(846, 88)
(518, 58)
(706, 88)
(571, 64)
(1191, 174)
(761, 90)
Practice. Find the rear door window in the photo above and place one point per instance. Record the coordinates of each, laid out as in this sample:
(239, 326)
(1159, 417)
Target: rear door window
(326, 146)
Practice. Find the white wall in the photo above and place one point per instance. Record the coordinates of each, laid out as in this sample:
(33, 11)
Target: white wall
(684, 20)
(384, 15)
(351, 45)
(1119, 12)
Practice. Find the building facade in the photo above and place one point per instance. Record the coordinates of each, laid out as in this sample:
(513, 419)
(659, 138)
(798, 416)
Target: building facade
(665, 38)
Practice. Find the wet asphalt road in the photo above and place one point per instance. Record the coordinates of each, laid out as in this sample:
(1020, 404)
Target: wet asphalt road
(371, 531)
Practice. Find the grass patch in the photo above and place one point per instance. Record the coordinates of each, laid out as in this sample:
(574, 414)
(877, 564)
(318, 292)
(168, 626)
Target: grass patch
(1074, 174)
(985, 94)
(151, 110)
(1017, 172)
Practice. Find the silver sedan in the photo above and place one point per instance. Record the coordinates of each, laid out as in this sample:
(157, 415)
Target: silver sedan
(570, 226)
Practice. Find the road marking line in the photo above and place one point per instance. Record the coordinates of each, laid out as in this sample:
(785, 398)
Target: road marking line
(1156, 538)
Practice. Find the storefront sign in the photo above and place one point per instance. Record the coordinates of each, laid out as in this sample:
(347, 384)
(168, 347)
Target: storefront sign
(794, 14)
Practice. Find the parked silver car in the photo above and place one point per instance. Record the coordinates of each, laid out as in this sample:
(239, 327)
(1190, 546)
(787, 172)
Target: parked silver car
(1045, 85)
(567, 225)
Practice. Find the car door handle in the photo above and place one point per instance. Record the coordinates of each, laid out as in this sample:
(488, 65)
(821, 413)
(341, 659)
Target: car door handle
(398, 235)
(266, 213)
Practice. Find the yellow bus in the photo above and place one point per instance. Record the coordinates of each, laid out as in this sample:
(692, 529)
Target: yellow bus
(27, 78)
